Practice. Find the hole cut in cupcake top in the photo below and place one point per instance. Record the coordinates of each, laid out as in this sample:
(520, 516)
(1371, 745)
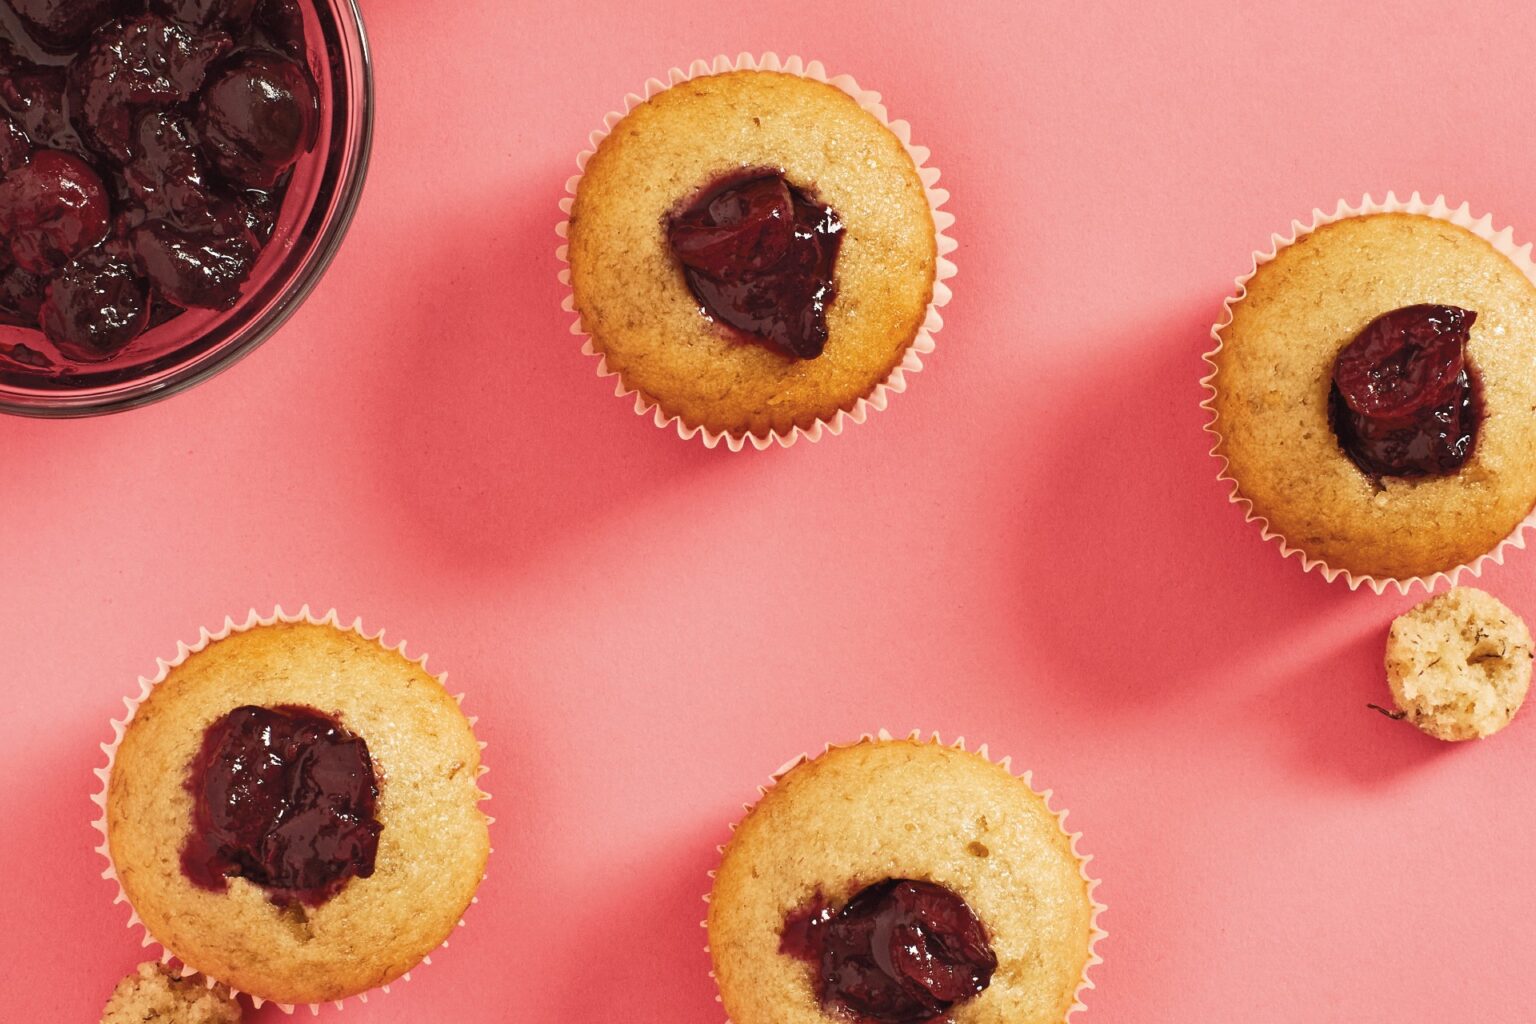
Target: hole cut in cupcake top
(901, 951)
(759, 255)
(284, 797)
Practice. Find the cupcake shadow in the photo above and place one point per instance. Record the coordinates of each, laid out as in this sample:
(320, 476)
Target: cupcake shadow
(503, 442)
(1323, 722)
(1138, 577)
(51, 851)
(645, 933)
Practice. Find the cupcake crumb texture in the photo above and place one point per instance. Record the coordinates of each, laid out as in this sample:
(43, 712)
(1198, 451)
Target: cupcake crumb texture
(154, 994)
(1459, 664)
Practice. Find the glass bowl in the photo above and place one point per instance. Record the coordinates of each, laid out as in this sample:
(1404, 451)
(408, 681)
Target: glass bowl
(316, 212)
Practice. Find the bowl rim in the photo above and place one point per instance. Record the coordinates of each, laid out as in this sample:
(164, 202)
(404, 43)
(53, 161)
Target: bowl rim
(134, 394)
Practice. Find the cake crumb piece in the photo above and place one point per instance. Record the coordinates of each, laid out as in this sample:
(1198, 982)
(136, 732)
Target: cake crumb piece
(155, 994)
(1459, 664)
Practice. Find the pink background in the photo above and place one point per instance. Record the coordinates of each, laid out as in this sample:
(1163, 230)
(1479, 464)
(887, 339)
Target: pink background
(1029, 549)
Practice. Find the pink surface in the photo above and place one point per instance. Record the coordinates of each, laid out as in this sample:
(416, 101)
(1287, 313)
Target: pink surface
(1030, 548)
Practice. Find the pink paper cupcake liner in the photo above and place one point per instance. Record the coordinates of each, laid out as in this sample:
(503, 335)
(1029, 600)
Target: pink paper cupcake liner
(1461, 216)
(944, 268)
(1096, 933)
(119, 727)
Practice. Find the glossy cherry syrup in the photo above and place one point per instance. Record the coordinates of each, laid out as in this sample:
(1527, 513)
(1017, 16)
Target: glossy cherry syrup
(1404, 400)
(899, 952)
(145, 147)
(283, 797)
(759, 255)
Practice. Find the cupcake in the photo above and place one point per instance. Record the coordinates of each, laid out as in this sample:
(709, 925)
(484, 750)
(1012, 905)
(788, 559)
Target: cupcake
(755, 252)
(1373, 392)
(901, 882)
(293, 810)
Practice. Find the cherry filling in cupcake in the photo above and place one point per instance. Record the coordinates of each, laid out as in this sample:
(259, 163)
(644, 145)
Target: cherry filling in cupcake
(1405, 400)
(900, 952)
(145, 147)
(283, 797)
(759, 254)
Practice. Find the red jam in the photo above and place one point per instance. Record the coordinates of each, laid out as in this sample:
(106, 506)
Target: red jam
(759, 254)
(1405, 401)
(283, 797)
(900, 952)
(145, 146)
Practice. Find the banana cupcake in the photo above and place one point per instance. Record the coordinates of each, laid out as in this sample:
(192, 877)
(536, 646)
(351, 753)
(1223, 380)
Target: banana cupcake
(1374, 392)
(901, 882)
(293, 810)
(755, 251)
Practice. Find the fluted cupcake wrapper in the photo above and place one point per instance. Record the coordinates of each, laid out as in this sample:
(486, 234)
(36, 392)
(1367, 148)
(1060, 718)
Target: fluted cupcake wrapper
(944, 268)
(1096, 931)
(1501, 239)
(120, 726)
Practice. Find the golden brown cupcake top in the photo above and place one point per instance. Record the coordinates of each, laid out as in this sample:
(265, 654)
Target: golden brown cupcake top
(629, 287)
(901, 809)
(431, 851)
(1274, 373)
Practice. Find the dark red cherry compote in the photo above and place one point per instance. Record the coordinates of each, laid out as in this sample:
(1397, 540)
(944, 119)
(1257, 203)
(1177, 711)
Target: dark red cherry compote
(145, 147)
(1405, 400)
(759, 253)
(283, 797)
(899, 952)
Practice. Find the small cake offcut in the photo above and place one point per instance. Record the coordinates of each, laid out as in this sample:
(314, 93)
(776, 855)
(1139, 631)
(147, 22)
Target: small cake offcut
(1459, 664)
(155, 994)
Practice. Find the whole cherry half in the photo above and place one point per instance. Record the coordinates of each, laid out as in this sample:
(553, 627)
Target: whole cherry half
(51, 209)
(902, 951)
(256, 116)
(1404, 361)
(738, 232)
(146, 62)
(94, 307)
(62, 24)
(283, 21)
(201, 267)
